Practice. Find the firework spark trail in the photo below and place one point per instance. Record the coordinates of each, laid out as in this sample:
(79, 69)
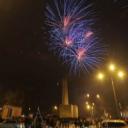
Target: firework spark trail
(71, 35)
(67, 12)
(85, 57)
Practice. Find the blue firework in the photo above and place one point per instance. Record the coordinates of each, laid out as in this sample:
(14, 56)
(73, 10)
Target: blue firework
(71, 35)
(64, 13)
(65, 16)
(86, 56)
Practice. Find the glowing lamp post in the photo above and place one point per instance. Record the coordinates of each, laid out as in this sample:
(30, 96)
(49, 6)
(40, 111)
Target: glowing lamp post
(90, 108)
(111, 67)
(90, 103)
(120, 74)
(100, 76)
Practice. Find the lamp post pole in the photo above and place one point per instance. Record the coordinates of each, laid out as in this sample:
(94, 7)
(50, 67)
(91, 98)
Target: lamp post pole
(92, 112)
(115, 97)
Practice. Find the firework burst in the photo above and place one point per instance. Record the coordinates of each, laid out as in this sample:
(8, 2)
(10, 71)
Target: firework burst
(71, 35)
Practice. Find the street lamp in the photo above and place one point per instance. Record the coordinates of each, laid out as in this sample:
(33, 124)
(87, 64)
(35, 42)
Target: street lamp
(120, 74)
(91, 103)
(100, 76)
(90, 108)
(111, 67)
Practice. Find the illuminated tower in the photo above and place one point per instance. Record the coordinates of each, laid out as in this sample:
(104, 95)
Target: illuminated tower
(67, 110)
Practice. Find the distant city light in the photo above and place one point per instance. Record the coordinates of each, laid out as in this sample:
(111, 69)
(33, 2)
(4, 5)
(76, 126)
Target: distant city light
(88, 107)
(93, 104)
(55, 108)
(88, 95)
(98, 96)
(86, 102)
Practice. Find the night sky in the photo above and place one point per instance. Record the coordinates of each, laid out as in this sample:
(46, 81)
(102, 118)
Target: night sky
(29, 68)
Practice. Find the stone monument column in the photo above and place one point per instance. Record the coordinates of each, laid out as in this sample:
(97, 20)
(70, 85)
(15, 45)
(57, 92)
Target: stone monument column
(67, 110)
(65, 100)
